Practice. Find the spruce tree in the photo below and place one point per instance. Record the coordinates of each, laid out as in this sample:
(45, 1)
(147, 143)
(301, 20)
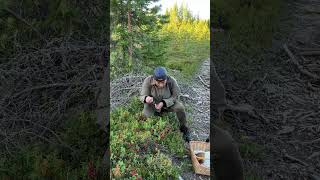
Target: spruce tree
(134, 27)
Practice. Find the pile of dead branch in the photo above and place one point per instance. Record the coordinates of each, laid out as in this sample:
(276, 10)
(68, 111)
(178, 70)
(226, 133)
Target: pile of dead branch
(127, 86)
(40, 86)
(122, 89)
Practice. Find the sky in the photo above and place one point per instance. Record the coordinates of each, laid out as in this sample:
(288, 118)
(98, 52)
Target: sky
(201, 7)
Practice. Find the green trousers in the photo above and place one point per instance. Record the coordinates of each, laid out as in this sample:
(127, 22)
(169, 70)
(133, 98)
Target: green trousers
(178, 108)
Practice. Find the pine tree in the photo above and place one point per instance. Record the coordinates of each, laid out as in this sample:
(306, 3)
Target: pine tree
(133, 27)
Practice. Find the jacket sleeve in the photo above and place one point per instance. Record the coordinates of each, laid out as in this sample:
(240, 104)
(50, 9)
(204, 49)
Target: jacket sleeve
(174, 94)
(145, 89)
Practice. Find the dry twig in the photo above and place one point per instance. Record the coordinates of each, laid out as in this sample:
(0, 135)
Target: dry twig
(295, 62)
(206, 85)
(39, 88)
(295, 159)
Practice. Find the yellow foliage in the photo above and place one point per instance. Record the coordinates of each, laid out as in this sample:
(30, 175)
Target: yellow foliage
(186, 26)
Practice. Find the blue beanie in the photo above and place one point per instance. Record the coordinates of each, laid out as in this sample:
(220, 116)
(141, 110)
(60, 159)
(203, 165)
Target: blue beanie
(160, 73)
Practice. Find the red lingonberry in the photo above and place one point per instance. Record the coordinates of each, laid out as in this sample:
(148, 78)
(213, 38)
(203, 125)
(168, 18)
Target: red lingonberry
(133, 173)
(91, 171)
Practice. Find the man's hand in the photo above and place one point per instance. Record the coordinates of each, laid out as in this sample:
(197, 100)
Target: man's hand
(149, 99)
(159, 105)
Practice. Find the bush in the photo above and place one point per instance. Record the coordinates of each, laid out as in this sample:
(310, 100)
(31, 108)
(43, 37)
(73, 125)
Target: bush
(138, 145)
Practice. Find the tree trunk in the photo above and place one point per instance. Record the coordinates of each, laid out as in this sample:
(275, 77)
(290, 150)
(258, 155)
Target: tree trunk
(130, 38)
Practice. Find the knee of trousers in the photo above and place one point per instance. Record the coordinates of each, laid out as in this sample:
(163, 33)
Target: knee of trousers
(178, 107)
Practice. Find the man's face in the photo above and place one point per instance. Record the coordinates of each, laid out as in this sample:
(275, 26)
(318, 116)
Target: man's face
(161, 83)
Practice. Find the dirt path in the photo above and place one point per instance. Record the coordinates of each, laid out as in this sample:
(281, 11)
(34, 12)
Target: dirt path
(200, 125)
(196, 94)
(286, 97)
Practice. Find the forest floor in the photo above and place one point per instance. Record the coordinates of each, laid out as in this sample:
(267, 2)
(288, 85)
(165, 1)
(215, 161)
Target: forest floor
(285, 92)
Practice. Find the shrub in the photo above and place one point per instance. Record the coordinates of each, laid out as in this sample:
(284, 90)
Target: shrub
(139, 145)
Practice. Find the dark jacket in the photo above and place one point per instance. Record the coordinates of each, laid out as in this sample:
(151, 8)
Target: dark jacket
(168, 94)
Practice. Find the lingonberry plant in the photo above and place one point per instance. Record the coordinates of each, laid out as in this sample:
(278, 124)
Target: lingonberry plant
(141, 148)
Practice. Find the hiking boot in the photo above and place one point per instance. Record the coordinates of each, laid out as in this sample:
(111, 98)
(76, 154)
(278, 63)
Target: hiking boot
(186, 134)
